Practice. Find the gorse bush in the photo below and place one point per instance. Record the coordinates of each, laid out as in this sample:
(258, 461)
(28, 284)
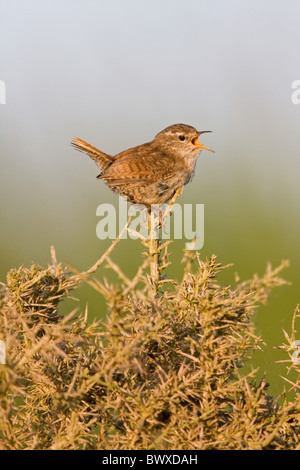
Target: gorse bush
(162, 372)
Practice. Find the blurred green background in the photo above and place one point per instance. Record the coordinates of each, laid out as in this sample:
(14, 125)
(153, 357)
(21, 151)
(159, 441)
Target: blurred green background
(115, 73)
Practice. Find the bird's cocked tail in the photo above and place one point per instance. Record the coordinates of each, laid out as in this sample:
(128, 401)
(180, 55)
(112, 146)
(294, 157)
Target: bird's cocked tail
(102, 159)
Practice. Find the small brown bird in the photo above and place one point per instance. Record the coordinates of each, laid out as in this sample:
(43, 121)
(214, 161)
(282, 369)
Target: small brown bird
(150, 173)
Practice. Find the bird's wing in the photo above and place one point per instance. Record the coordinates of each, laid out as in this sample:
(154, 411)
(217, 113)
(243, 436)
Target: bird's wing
(130, 168)
(102, 159)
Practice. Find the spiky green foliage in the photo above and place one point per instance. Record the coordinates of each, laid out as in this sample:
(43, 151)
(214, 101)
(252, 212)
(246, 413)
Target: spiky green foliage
(162, 371)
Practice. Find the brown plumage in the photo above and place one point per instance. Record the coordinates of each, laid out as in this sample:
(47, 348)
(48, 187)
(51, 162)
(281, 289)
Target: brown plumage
(150, 173)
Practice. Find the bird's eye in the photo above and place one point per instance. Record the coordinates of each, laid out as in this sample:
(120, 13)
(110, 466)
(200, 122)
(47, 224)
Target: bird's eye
(182, 137)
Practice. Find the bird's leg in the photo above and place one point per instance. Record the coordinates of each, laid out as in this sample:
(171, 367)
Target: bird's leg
(155, 221)
(178, 192)
(154, 243)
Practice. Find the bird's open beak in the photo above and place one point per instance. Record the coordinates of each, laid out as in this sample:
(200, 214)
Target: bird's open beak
(197, 144)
